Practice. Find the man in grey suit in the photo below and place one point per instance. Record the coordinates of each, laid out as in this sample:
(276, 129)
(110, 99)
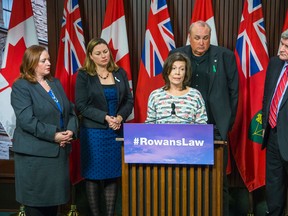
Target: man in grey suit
(275, 125)
(215, 75)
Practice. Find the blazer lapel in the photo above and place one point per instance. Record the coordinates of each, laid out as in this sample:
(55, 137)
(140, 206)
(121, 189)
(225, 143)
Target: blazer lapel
(45, 95)
(274, 79)
(57, 93)
(117, 80)
(99, 88)
(188, 51)
(285, 97)
(213, 67)
(284, 100)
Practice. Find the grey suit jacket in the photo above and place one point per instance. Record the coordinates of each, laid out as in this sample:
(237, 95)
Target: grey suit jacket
(223, 86)
(38, 118)
(272, 75)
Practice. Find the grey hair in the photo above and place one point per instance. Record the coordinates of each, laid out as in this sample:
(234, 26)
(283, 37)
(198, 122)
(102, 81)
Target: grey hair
(284, 35)
(201, 23)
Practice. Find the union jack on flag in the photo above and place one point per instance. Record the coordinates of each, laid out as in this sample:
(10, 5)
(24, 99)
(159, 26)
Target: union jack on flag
(71, 55)
(251, 43)
(159, 40)
(252, 60)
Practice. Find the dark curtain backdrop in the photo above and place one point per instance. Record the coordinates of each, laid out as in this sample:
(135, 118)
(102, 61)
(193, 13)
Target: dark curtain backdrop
(227, 14)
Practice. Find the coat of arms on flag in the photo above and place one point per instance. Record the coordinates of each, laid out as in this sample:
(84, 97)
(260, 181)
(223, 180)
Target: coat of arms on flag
(252, 60)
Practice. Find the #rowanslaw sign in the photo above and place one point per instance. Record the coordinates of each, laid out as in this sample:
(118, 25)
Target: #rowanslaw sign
(168, 144)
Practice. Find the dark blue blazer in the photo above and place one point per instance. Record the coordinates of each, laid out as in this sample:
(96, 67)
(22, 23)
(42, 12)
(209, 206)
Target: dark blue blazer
(223, 86)
(91, 102)
(272, 75)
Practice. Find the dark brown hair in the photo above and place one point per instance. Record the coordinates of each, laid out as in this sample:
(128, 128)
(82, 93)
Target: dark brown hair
(167, 68)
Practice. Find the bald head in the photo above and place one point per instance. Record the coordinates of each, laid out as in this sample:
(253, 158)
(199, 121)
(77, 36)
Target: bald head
(199, 37)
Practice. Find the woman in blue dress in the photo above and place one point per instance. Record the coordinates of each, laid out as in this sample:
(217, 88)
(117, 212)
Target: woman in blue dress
(104, 101)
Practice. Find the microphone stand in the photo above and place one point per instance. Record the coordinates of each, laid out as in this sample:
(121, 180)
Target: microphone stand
(156, 119)
(180, 117)
(173, 112)
(164, 117)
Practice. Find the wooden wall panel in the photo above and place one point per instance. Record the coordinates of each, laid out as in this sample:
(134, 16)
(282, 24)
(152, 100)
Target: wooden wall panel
(54, 18)
(227, 17)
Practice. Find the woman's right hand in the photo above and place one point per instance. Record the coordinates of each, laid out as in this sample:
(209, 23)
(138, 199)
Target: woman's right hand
(113, 122)
(63, 137)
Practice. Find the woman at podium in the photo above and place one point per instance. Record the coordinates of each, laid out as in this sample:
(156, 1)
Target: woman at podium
(176, 102)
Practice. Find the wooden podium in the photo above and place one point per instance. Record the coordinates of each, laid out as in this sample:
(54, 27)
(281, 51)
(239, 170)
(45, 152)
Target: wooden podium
(173, 189)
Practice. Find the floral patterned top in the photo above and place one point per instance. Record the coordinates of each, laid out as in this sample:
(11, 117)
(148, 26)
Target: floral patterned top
(189, 108)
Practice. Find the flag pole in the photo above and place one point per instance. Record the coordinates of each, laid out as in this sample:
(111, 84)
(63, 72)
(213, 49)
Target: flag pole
(250, 209)
(73, 208)
(21, 211)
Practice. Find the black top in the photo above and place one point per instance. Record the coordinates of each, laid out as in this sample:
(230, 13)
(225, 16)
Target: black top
(200, 78)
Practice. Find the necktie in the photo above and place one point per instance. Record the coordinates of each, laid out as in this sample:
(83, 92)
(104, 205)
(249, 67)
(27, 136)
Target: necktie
(277, 96)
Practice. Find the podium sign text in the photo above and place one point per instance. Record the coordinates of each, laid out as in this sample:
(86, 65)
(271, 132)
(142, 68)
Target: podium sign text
(168, 143)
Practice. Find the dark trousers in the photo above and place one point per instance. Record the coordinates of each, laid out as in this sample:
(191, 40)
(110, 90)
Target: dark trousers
(276, 177)
(41, 211)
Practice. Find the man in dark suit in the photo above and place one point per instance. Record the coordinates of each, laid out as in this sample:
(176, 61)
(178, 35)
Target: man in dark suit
(214, 74)
(275, 125)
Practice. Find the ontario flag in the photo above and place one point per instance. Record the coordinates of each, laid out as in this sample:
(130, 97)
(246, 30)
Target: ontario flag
(71, 55)
(203, 10)
(21, 35)
(252, 60)
(285, 26)
(115, 34)
(159, 40)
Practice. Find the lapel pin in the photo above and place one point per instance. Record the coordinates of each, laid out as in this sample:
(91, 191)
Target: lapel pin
(117, 79)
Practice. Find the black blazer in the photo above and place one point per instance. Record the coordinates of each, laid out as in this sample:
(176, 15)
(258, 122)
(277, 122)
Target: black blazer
(91, 101)
(223, 86)
(272, 75)
(38, 118)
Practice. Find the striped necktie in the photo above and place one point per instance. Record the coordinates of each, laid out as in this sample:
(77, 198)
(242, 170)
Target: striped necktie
(277, 96)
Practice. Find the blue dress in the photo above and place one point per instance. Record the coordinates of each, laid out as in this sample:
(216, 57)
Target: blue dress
(100, 152)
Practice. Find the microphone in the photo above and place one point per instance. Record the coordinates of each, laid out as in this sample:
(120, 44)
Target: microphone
(173, 108)
(173, 112)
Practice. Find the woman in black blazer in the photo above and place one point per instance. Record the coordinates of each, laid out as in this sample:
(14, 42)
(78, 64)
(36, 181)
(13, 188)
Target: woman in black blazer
(104, 100)
(45, 125)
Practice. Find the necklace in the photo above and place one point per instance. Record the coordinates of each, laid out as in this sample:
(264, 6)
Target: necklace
(103, 77)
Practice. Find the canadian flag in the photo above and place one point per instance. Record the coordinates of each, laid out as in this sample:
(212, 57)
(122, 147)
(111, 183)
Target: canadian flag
(21, 34)
(115, 34)
(203, 11)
